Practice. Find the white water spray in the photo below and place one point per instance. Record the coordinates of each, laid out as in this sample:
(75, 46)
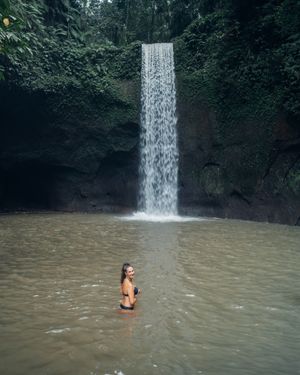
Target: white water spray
(159, 153)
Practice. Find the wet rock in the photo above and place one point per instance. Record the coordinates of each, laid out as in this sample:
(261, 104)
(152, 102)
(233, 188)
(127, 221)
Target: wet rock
(82, 153)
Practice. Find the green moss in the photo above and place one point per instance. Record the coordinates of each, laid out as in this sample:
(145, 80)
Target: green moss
(212, 181)
(238, 77)
(65, 66)
(293, 180)
(194, 86)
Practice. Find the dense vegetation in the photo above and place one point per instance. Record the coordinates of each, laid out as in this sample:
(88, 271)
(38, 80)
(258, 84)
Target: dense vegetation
(244, 56)
(69, 87)
(247, 56)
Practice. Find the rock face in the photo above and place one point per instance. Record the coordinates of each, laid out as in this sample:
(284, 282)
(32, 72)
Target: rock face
(72, 152)
(248, 170)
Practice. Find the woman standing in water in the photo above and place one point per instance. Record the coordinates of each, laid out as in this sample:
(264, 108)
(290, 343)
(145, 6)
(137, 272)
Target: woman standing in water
(128, 290)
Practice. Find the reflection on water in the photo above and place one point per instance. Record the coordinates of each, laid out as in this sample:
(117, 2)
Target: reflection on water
(218, 297)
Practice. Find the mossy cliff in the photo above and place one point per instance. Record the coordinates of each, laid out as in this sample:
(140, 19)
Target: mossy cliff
(69, 134)
(70, 141)
(239, 114)
(245, 168)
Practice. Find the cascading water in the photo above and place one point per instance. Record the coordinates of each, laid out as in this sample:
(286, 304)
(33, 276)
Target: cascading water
(159, 153)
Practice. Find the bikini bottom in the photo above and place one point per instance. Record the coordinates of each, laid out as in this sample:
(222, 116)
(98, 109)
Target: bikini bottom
(126, 307)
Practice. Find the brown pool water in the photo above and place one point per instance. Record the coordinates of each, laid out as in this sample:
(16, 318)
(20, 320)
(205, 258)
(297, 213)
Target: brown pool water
(218, 296)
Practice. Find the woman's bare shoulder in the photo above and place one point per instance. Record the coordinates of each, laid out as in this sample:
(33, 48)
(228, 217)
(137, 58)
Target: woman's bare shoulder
(128, 284)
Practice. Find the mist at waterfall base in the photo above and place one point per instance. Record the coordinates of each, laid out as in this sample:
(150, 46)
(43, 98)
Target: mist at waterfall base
(158, 143)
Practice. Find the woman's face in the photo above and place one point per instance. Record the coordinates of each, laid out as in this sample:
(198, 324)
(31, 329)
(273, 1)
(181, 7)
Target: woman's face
(130, 272)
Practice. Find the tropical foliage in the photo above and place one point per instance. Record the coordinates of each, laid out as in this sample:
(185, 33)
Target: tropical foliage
(239, 52)
(246, 56)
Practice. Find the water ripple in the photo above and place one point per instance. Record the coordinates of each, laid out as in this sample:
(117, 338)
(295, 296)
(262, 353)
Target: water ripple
(218, 297)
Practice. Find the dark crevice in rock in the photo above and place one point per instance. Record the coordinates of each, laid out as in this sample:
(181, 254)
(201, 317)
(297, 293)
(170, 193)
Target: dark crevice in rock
(211, 164)
(279, 151)
(118, 159)
(291, 166)
(237, 195)
(275, 153)
(292, 146)
(233, 144)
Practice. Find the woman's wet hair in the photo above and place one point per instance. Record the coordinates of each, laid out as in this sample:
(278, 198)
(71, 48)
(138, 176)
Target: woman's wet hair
(123, 271)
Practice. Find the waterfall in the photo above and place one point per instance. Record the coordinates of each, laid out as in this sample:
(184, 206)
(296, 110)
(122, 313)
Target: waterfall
(159, 153)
